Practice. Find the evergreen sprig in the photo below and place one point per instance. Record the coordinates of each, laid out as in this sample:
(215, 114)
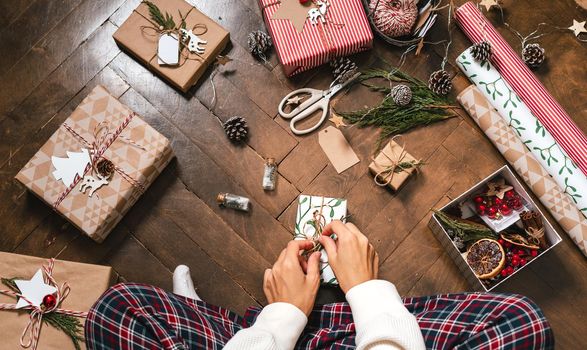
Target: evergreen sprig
(467, 230)
(425, 108)
(166, 21)
(69, 325)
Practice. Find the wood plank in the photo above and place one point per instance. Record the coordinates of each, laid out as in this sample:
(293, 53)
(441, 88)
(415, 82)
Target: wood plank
(443, 277)
(206, 179)
(10, 10)
(134, 262)
(24, 212)
(205, 131)
(52, 50)
(38, 19)
(123, 12)
(170, 198)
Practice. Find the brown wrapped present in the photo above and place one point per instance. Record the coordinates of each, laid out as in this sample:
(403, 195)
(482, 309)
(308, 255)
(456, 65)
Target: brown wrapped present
(96, 165)
(86, 284)
(139, 36)
(393, 165)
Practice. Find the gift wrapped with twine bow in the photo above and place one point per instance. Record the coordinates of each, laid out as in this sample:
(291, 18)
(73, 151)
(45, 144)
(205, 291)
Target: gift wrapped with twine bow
(306, 35)
(56, 321)
(199, 39)
(394, 165)
(97, 164)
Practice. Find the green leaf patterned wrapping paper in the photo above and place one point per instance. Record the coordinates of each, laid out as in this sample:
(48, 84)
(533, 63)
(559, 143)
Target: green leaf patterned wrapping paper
(527, 128)
(327, 210)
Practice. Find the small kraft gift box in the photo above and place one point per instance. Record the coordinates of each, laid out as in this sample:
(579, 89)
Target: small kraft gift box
(393, 165)
(315, 212)
(307, 35)
(488, 254)
(97, 164)
(198, 44)
(61, 292)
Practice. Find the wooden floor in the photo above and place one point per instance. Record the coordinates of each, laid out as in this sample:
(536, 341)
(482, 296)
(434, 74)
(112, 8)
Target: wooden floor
(55, 52)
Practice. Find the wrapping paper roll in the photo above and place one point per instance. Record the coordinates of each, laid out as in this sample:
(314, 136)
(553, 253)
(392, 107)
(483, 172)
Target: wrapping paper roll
(529, 129)
(523, 161)
(567, 134)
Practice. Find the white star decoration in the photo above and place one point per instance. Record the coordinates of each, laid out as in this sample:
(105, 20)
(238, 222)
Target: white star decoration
(489, 4)
(578, 27)
(34, 290)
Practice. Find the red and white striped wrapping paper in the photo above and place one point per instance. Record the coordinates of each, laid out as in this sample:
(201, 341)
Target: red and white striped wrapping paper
(567, 134)
(318, 44)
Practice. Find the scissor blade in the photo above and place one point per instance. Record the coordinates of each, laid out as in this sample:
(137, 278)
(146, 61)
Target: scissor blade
(336, 88)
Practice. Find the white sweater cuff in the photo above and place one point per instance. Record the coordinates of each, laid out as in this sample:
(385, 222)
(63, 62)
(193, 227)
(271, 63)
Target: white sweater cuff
(284, 321)
(373, 298)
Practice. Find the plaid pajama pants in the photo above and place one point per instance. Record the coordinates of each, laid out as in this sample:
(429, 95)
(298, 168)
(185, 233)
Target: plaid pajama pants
(137, 316)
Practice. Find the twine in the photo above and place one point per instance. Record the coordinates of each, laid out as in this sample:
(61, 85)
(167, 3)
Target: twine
(102, 141)
(319, 222)
(30, 335)
(535, 234)
(397, 164)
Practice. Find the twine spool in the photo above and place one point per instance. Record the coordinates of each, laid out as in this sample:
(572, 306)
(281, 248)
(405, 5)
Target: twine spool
(394, 18)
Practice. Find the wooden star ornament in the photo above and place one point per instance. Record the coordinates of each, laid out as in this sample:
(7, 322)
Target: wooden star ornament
(337, 120)
(578, 27)
(498, 188)
(294, 101)
(489, 4)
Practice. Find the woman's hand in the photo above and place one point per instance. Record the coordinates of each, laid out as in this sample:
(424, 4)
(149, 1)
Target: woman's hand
(352, 258)
(293, 279)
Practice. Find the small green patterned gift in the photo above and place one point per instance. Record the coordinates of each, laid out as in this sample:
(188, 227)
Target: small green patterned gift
(315, 212)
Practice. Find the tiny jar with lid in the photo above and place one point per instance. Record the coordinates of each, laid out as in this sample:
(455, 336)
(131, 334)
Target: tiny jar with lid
(270, 174)
(233, 201)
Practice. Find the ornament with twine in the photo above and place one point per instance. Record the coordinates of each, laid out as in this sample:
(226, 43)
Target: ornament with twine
(50, 311)
(393, 165)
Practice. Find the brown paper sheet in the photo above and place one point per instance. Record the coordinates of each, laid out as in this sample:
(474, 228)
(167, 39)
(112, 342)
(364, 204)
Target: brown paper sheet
(137, 39)
(87, 283)
(337, 149)
(392, 151)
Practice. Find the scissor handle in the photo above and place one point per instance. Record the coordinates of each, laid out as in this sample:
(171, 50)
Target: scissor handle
(323, 105)
(315, 96)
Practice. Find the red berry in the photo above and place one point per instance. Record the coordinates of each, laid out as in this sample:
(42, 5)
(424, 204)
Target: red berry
(510, 194)
(500, 241)
(49, 301)
(478, 199)
(534, 253)
(510, 270)
(481, 208)
(515, 262)
(521, 252)
(504, 273)
(523, 262)
(505, 209)
(508, 244)
(303, 1)
(497, 201)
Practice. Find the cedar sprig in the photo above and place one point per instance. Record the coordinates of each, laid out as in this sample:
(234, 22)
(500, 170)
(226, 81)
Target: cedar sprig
(425, 108)
(468, 231)
(166, 21)
(69, 325)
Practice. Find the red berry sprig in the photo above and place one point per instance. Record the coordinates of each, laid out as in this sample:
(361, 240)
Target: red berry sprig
(516, 257)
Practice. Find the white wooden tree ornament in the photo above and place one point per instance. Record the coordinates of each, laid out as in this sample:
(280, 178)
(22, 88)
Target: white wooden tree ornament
(195, 44)
(67, 168)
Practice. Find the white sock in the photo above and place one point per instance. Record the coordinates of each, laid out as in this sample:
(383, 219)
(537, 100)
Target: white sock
(183, 284)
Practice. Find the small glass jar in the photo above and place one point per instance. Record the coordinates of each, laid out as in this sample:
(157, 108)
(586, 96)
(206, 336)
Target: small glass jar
(269, 175)
(233, 201)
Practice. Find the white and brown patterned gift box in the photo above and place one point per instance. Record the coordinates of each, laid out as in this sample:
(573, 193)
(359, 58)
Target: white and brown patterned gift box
(97, 164)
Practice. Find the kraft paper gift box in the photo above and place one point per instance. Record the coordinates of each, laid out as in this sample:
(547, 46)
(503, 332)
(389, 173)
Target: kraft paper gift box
(87, 283)
(100, 128)
(138, 37)
(301, 45)
(382, 166)
(552, 237)
(325, 210)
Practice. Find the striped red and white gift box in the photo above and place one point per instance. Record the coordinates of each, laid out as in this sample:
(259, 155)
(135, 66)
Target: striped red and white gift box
(345, 32)
(566, 133)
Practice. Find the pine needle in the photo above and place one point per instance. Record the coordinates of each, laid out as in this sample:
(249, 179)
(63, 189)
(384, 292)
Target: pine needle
(166, 21)
(467, 230)
(425, 108)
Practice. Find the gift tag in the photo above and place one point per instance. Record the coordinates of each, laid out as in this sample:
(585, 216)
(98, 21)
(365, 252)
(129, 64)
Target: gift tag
(168, 50)
(337, 149)
(66, 169)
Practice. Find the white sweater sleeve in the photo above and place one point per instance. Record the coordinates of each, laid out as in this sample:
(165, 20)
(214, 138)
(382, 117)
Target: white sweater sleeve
(381, 319)
(277, 327)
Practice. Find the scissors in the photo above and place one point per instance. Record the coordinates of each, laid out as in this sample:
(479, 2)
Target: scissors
(319, 99)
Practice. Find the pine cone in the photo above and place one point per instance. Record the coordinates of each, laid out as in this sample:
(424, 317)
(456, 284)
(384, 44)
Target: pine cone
(481, 51)
(105, 168)
(401, 94)
(440, 82)
(533, 55)
(259, 42)
(343, 69)
(236, 129)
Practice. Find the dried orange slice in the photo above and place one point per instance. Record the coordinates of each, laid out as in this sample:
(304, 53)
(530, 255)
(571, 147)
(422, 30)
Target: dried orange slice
(486, 257)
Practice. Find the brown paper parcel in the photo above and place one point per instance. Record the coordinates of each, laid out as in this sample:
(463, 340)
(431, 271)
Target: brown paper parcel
(87, 283)
(137, 37)
(142, 161)
(391, 152)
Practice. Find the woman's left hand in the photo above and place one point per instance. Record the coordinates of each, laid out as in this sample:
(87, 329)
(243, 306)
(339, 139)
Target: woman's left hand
(292, 279)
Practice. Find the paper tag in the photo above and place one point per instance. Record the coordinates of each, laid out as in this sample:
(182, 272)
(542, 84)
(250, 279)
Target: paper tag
(337, 149)
(168, 50)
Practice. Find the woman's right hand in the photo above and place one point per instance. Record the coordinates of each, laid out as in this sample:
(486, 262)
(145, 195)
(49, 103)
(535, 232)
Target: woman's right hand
(352, 258)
